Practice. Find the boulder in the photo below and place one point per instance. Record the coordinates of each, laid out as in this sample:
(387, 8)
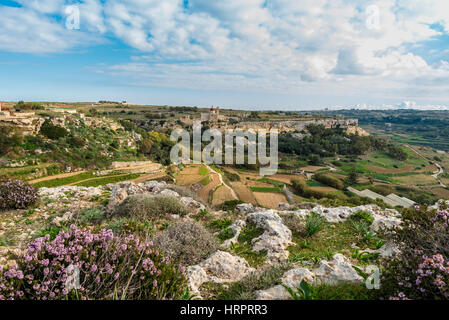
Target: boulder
(220, 267)
(292, 279)
(245, 208)
(224, 267)
(276, 238)
(235, 228)
(339, 270)
(169, 193)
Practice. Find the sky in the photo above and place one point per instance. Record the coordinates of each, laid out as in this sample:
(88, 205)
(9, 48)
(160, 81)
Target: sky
(251, 54)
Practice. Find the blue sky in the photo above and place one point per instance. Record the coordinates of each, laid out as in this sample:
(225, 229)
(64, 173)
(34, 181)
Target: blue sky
(272, 54)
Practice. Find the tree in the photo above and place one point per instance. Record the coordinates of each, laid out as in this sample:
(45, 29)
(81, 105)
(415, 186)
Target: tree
(353, 178)
(52, 132)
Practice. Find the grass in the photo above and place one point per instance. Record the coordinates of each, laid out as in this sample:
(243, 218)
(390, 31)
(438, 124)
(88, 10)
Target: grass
(314, 224)
(333, 238)
(344, 291)
(246, 288)
(107, 180)
(313, 183)
(203, 171)
(243, 246)
(266, 189)
(205, 181)
(64, 181)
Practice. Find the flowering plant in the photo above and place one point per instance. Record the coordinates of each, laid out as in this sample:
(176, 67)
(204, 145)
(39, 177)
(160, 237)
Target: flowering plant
(79, 264)
(421, 271)
(16, 194)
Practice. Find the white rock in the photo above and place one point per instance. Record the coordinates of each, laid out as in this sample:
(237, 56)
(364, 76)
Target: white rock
(196, 276)
(388, 250)
(259, 218)
(192, 204)
(169, 193)
(337, 271)
(221, 267)
(294, 277)
(275, 293)
(224, 267)
(291, 279)
(245, 208)
(276, 238)
(235, 228)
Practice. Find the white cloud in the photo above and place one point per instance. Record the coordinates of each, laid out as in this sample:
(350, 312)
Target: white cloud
(254, 45)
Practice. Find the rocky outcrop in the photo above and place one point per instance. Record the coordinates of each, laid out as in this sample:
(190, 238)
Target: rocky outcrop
(339, 270)
(276, 238)
(123, 190)
(245, 208)
(70, 192)
(383, 218)
(235, 228)
(336, 271)
(220, 267)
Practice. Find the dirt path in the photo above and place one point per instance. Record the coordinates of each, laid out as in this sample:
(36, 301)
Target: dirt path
(220, 177)
(154, 166)
(96, 178)
(57, 176)
(440, 168)
(147, 177)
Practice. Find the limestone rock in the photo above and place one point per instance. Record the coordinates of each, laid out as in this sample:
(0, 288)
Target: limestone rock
(235, 228)
(221, 267)
(245, 208)
(336, 271)
(224, 267)
(169, 193)
(276, 238)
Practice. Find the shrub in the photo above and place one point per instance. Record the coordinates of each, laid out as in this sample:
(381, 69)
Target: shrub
(109, 268)
(16, 194)
(329, 181)
(52, 132)
(314, 224)
(186, 242)
(90, 216)
(229, 205)
(362, 216)
(294, 223)
(421, 270)
(246, 288)
(150, 207)
(301, 187)
(9, 138)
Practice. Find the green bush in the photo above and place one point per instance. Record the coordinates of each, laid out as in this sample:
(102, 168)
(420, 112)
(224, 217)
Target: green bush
(52, 132)
(362, 216)
(329, 181)
(301, 187)
(229, 205)
(314, 224)
(144, 207)
(9, 138)
(187, 242)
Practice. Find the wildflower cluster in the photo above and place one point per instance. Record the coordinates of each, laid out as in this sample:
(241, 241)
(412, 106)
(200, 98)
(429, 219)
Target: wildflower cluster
(421, 271)
(16, 194)
(430, 280)
(79, 264)
(441, 216)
